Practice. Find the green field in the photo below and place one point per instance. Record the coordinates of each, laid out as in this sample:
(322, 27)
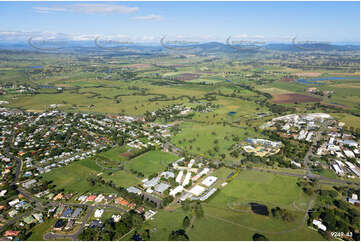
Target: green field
(73, 178)
(234, 224)
(151, 162)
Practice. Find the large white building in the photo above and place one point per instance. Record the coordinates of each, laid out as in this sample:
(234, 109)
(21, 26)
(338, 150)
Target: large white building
(197, 190)
(209, 181)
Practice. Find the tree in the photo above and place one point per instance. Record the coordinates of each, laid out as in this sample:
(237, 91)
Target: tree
(199, 210)
(179, 235)
(186, 222)
(259, 237)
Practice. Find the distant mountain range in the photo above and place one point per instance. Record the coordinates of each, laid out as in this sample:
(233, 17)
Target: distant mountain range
(209, 47)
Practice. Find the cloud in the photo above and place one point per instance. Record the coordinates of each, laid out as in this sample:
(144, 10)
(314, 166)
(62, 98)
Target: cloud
(88, 8)
(152, 17)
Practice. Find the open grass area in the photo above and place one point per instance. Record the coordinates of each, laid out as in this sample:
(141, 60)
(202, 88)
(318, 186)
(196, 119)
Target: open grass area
(348, 119)
(39, 230)
(121, 178)
(73, 178)
(222, 212)
(151, 162)
(199, 138)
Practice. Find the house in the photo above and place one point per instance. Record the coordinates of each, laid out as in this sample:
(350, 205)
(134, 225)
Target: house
(319, 225)
(59, 225)
(99, 198)
(124, 202)
(355, 202)
(95, 224)
(116, 218)
(118, 200)
(132, 205)
(38, 216)
(140, 210)
(29, 220)
(296, 164)
(58, 196)
(12, 213)
(3, 192)
(11, 233)
(148, 214)
(14, 202)
(91, 198)
(59, 211)
(29, 184)
(67, 213)
(77, 212)
(98, 213)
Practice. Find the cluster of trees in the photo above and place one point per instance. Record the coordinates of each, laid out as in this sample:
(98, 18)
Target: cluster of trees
(337, 214)
(178, 235)
(308, 187)
(283, 214)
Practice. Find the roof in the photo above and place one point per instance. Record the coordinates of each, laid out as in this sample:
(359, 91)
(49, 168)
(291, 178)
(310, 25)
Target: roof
(91, 198)
(151, 183)
(60, 223)
(161, 187)
(133, 189)
(197, 190)
(209, 181)
(11, 233)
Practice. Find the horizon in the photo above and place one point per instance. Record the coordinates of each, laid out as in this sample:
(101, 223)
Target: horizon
(148, 22)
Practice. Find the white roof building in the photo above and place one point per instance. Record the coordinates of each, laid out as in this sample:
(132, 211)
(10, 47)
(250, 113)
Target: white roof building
(13, 202)
(179, 176)
(197, 190)
(209, 181)
(98, 213)
(319, 224)
(349, 153)
(338, 170)
(187, 178)
(191, 163)
(176, 190)
(99, 198)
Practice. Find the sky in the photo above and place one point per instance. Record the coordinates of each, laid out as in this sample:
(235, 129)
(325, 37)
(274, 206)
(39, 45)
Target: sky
(200, 21)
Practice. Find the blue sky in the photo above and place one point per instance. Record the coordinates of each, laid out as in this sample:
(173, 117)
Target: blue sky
(208, 21)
